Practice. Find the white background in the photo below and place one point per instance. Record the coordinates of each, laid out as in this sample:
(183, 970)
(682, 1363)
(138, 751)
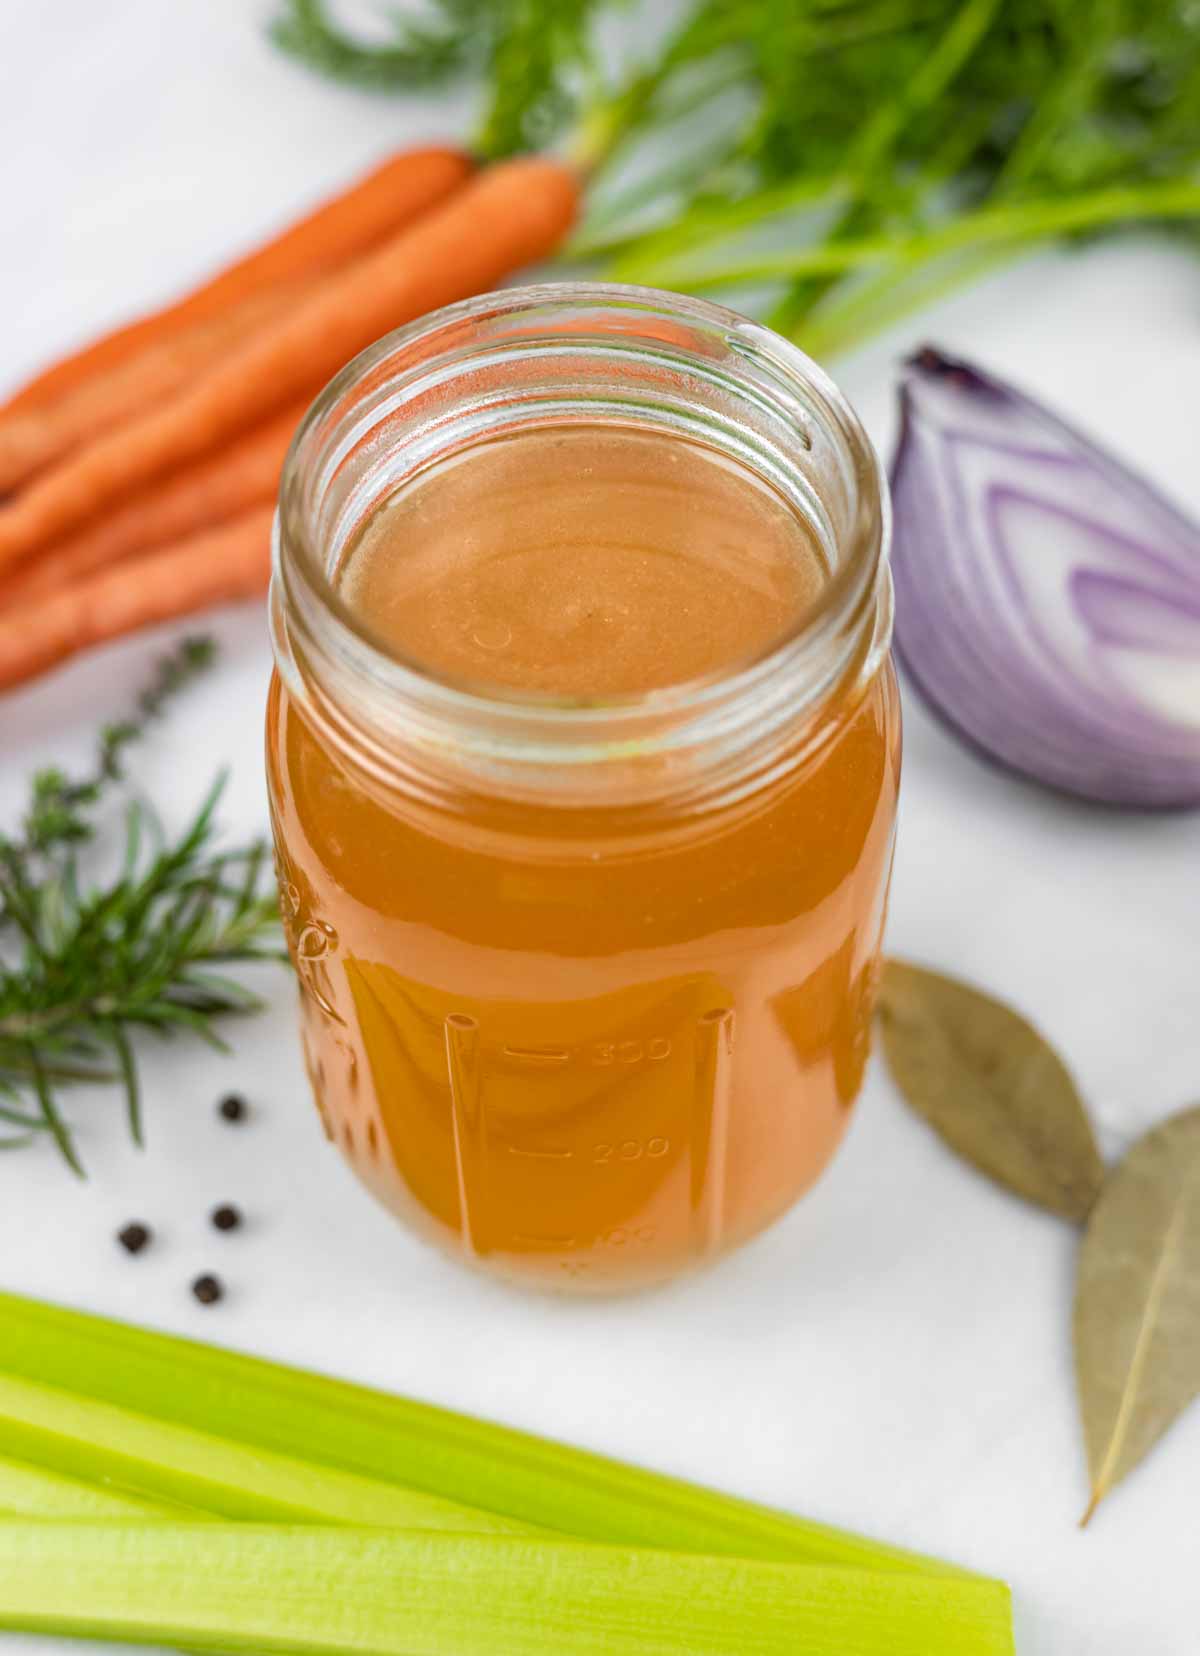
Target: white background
(894, 1356)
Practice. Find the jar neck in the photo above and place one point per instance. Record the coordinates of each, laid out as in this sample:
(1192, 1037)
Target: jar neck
(557, 355)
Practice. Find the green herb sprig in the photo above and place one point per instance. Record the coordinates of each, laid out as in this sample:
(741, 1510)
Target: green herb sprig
(528, 51)
(888, 150)
(84, 966)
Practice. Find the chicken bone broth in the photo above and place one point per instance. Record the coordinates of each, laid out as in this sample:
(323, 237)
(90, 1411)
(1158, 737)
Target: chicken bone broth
(583, 561)
(586, 1037)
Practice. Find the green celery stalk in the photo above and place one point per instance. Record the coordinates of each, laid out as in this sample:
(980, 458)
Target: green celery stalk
(340, 1592)
(415, 1446)
(144, 1457)
(34, 1492)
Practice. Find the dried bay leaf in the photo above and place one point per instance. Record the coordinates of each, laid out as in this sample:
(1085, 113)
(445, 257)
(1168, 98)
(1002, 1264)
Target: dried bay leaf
(1137, 1302)
(991, 1086)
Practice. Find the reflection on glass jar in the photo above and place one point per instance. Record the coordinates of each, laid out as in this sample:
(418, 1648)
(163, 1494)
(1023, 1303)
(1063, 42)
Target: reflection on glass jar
(586, 982)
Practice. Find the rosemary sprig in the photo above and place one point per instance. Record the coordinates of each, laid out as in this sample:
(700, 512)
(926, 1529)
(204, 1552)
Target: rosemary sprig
(85, 966)
(58, 807)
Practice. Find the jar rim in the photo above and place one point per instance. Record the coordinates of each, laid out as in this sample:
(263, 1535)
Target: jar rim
(545, 725)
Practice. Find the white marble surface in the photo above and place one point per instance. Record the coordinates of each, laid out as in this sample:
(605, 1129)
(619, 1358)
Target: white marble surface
(895, 1356)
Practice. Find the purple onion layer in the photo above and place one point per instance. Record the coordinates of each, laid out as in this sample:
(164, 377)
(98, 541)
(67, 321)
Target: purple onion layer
(1047, 597)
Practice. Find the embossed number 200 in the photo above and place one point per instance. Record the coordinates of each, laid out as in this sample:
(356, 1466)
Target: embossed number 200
(630, 1150)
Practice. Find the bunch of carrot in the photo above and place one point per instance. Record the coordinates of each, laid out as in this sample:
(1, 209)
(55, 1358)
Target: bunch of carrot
(137, 476)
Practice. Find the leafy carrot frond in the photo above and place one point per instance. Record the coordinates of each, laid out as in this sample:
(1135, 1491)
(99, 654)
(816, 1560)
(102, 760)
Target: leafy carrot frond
(887, 123)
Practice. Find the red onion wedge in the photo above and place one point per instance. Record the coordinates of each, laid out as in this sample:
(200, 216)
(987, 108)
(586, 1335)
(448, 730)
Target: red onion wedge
(1047, 597)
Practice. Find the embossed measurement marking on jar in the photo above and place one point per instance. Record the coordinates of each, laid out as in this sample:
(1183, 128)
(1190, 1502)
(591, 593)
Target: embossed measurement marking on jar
(625, 1236)
(626, 1150)
(537, 1057)
(631, 1150)
(477, 1143)
(596, 1054)
(621, 1236)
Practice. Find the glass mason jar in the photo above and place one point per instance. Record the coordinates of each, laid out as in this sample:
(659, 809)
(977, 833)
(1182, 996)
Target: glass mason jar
(586, 987)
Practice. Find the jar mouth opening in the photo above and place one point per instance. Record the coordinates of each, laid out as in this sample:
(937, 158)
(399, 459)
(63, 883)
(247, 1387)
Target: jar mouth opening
(394, 661)
(618, 313)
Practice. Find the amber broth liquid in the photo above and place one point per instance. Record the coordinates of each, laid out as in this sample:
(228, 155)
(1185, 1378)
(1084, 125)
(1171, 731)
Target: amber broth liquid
(585, 1049)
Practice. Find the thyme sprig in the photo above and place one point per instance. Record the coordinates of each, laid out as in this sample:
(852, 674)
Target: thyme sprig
(85, 964)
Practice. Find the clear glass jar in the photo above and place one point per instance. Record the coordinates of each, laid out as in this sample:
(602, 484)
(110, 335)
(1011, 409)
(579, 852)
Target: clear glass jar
(586, 989)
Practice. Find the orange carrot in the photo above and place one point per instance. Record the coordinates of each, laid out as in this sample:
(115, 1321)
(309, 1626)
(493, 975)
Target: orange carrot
(341, 229)
(29, 441)
(233, 561)
(209, 492)
(508, 216)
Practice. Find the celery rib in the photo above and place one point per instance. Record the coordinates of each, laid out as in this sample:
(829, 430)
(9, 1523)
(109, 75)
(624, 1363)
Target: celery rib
(325, 1592)
(409, 1445)
(142, 1457)
(28, 1491)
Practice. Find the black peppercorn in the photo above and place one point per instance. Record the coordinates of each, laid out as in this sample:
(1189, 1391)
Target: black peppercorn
(226, 1217)
(207, 1289)
(233, 1107)
(134, 1237)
